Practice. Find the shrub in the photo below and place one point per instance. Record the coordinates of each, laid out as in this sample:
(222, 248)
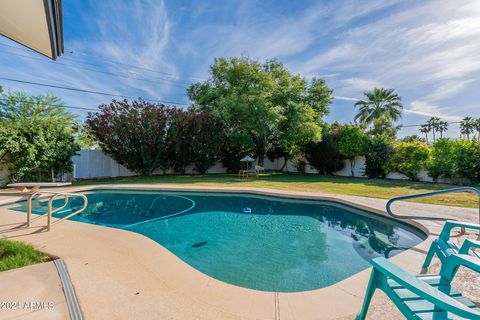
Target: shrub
(206, 140)
(235, 148)
(134, 134)
(324, 155)
(467, 162)
(353, 143)
(36, 136)
(379, 151)
(409, 158)
(442, 158)
(300, 163)
(179, 134)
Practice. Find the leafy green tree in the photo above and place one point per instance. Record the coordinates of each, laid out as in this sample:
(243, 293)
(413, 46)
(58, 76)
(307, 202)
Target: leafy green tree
(324, 155)
(259, 102)
(84, 138)
(467, 162)
(442, 159)
(381, 108)
(352, 144)
(385, 128)
(36, 136)
(379, 151)
(412, 138)
(409, 158)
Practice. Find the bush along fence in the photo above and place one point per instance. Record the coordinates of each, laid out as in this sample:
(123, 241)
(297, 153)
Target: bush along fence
(91, 164)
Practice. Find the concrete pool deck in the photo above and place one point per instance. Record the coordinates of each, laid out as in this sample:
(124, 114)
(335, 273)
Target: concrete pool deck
(119, 274)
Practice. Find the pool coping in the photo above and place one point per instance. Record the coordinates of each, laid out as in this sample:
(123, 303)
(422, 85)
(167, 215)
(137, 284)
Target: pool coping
(207, 294)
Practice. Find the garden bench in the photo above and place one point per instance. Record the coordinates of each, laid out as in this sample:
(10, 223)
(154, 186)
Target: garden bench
(247, 173)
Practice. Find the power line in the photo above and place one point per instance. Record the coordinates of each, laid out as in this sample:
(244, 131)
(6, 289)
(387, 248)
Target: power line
(419, 125)
(99, 65)
(132, 66)
(92, 109)
(50, 104)
(158, 79)
(91, 91)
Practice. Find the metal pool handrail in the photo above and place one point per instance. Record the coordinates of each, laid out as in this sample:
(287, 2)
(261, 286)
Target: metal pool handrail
(419, 195)
(53, 196)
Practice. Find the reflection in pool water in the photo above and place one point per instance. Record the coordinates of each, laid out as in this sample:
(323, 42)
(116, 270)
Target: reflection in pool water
(278, 244)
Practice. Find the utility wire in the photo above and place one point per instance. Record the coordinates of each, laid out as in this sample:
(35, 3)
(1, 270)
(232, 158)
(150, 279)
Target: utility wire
(99, 65)
(90, 91)
(172, 82)
(130, 65)
(419, 125)
(48, 104)
(92, 109)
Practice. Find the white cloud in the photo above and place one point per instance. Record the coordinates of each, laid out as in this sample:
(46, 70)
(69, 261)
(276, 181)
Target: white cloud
(427, 50)
(345, 98)
(426, 109)
(362, 83)
(447, 90)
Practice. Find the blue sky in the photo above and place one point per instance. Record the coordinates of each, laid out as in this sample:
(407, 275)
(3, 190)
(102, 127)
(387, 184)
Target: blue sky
(428, 50)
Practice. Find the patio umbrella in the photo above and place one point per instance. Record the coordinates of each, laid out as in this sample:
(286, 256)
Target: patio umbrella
(247, 159)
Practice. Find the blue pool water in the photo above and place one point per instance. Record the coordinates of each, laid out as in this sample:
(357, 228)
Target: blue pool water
(263, 243)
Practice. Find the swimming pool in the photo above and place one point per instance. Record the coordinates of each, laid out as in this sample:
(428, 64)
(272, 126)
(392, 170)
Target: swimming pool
(259, 242)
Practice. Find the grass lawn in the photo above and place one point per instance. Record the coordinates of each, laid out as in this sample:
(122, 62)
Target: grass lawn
(14, 254)
(384, 189)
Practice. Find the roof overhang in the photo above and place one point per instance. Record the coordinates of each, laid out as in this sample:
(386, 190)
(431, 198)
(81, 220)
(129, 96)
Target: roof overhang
(36, 24)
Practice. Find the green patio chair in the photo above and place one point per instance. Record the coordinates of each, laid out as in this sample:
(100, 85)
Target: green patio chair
(418, 297)
(444, 248)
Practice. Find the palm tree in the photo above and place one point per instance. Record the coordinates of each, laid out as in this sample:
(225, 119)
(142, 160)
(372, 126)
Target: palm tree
(467, 127)
(433, 122)
(425, 128)
(476, 126)
(442, 127)
(380, 105)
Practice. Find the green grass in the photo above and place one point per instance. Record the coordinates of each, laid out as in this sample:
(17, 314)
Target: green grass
(15, 254)
(373, 188)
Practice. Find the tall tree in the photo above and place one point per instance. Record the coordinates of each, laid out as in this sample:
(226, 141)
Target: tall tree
(425, 129)
(442, 127)
(476, 126)
(434, 124)
(36, 136)
(258, 102)
(134, 134)
(382, 107)
(353, 143)
(467, 127)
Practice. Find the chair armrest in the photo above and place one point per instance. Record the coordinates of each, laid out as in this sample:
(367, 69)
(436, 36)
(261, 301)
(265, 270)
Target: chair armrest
(467, 244)
(450, 224)
(451, 264)
(422, 289)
